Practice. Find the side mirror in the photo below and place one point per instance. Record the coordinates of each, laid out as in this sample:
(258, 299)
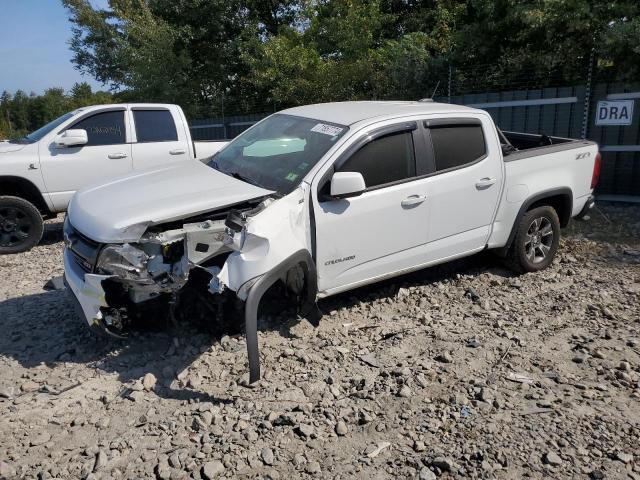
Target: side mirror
(72, 138)
(347, 184)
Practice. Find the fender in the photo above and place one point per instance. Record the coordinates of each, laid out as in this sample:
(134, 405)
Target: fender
(563, 191)
(26, 189)
(258, 289)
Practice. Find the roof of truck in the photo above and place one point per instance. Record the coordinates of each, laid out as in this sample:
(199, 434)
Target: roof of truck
(348, 113)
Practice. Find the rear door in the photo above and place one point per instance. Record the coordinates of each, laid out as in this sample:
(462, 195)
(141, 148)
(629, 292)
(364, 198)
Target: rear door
(464, 186)
(107, 154)
(381, 230)
(157, 140)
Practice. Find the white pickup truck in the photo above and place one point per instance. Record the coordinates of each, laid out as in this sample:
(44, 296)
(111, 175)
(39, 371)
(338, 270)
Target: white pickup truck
(322, 198)
(40, 172)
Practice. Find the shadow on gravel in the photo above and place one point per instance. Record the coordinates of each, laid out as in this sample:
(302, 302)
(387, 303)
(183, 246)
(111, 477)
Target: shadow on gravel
(43, 329)
(52, 233)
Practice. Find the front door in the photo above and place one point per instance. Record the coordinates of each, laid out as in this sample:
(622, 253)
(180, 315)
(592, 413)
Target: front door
(381, 230)
(106, 155)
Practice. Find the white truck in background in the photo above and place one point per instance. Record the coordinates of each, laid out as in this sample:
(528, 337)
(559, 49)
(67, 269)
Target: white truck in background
(40, 172)
(321, 199)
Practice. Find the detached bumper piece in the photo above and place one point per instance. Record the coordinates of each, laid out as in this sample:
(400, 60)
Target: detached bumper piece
(258, 289)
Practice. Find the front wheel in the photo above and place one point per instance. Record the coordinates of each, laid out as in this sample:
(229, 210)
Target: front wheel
(536, 242)
(21, 225)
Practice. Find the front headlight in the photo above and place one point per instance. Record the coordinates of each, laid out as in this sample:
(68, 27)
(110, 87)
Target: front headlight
(124, 261)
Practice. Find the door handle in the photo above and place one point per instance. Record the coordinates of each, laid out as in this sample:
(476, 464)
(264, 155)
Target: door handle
(485, 183)
(180, 151)
(412, 200)
(116, 156)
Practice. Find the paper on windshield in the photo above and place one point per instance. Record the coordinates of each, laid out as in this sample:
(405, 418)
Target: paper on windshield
(327, 129)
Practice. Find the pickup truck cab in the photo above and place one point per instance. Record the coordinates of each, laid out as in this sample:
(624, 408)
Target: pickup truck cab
(40, 172)
(321, 198)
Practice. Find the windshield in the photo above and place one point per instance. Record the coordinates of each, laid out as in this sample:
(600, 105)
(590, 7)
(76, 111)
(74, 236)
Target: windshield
(277, 153)
(42, 131)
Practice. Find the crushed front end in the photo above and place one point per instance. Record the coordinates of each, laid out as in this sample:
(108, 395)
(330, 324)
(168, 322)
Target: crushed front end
(172, 270)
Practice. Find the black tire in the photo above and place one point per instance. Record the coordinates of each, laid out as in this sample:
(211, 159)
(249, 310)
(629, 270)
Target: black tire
(21, 225)
(536, 242)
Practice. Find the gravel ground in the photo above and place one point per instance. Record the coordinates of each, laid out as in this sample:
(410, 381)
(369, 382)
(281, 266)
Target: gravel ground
(458, 371)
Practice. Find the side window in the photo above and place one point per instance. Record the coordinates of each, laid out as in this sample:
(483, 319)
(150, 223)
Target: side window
(457, 145)
(155, 126)
(384, 160)
(106, 128)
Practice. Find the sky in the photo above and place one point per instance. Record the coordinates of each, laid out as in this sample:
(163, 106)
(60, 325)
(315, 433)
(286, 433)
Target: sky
(34, 48)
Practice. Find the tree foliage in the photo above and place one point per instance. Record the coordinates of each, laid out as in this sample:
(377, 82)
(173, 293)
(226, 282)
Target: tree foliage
(196, 52)
(212, 56)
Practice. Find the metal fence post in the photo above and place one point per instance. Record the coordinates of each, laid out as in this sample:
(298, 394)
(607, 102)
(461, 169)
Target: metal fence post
(224, 124)
(587, 95)
(449, 84)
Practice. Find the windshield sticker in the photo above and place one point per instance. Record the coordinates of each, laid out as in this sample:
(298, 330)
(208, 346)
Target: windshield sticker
(303, 166)
(291, 176)
(327, 129)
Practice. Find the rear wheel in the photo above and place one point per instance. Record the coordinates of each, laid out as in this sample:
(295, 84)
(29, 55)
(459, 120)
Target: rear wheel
(21, 225)
(536, 241)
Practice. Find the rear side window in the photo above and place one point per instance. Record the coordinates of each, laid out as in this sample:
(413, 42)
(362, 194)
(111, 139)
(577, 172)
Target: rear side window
(106, 128)
(155, 126)
(457, 145)
(384, 160)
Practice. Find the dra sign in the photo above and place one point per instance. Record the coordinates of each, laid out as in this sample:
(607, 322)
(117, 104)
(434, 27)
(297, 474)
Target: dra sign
(618, 112)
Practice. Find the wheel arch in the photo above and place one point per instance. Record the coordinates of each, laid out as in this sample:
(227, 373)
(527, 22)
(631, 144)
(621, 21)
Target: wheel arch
(561, 199)
(22, 188)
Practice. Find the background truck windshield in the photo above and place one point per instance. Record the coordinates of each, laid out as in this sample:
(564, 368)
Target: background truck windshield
(277, 153)
(42, 131)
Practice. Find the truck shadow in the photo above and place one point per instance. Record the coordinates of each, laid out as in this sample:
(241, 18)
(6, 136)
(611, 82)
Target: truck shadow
(43, 329)
(52, 232)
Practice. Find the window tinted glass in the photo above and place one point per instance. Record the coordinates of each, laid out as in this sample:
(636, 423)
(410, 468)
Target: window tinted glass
(457, 145)
(105, 128)
(384, 160)
(155, 126)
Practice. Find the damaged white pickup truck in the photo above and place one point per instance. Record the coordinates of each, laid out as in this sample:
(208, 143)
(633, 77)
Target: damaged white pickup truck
(324, 198)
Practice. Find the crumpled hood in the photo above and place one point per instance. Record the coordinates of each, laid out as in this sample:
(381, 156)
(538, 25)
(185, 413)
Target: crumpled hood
(8, 147)
(113, 212)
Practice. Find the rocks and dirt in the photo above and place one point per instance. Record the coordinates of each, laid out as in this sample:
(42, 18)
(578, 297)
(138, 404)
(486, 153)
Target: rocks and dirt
(463, 370)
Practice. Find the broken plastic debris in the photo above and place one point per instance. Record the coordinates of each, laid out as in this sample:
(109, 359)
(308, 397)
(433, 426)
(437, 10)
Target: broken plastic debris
(381, 446)
(55, 283)
(370, 359)
(519, 378)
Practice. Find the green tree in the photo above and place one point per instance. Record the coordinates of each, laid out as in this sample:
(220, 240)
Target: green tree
(210, 55)
(21, 113)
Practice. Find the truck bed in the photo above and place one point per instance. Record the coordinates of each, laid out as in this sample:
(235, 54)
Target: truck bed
(542, 165)
(526, 145)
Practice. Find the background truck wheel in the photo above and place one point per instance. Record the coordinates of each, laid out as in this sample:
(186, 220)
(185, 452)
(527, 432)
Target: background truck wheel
(536, 241)
(21, 225)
